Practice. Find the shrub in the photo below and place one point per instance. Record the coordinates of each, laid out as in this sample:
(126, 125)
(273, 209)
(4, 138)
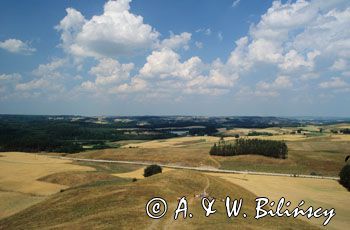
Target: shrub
(151, 170)
(345, 176)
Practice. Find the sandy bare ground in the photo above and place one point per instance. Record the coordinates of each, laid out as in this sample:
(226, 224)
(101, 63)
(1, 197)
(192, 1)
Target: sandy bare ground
(318, 193)
(19, 172)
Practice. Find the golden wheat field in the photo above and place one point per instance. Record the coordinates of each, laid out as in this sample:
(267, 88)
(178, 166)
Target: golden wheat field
(315, 192)
(174, 142)
(20, 171)
(19, 174)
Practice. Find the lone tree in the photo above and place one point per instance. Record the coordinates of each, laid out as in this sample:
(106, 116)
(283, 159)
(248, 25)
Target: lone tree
(151, 170)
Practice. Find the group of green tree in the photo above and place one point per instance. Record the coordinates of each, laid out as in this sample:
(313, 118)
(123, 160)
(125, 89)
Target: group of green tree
(270, 148)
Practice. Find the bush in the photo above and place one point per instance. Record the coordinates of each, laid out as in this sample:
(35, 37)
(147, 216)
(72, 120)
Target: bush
(345, 176)
(151, 170)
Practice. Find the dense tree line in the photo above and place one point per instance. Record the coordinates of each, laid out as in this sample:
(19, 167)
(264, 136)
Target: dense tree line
(270, 148)
(255, 133)
(208, 130)
(39, 134)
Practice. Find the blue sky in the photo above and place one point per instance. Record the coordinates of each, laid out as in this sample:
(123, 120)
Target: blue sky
(186, 57)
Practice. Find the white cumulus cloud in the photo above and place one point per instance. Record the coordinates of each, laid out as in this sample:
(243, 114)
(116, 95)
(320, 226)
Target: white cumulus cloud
(177, 41)
(17, 46)
(335, 82)
(116, 32)
(109, 71)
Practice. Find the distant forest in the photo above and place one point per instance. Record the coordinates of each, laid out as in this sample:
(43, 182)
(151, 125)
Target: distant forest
(37, 135)
(70, 134)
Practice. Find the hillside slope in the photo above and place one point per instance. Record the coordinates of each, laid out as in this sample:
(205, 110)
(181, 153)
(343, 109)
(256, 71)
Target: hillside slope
(107, 205)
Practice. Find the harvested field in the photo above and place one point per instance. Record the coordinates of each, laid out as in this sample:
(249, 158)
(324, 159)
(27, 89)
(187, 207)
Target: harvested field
(19, 174)
(174, 142)
(316, 192)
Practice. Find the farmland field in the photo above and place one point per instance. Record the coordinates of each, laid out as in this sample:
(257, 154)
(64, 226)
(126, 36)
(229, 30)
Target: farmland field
(19, 185)
(307, 155)
(315, 192)
(27, 179)
(19, 172)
